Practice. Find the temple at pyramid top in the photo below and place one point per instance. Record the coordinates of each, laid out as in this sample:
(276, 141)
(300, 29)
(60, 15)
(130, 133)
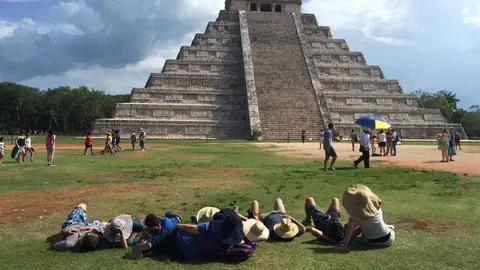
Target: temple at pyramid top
(264, 5)
(264, 69)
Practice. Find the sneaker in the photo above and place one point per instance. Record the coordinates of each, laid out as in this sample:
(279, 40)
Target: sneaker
(333, 169)
(136, 252)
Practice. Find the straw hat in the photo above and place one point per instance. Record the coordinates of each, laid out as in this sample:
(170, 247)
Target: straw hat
(206, 214)
(361, 202)
(123, 222)
(286, 229)
(255, 230)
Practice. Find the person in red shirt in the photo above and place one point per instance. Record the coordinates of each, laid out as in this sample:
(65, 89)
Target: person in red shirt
(88, 144)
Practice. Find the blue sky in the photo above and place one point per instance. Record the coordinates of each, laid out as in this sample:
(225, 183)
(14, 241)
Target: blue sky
(113, 45)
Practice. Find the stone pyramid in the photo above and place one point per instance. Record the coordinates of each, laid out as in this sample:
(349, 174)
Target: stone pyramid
(265, 69)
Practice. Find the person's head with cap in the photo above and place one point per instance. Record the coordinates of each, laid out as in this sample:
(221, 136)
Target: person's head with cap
(255, 230)
(360, 202)
(153, 223)
(286, 230)
(206, 214)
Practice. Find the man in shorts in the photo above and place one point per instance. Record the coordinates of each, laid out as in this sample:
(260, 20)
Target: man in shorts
(327, 225)
(328, 146)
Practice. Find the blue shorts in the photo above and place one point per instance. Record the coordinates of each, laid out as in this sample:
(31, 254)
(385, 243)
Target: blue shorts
(328, 223)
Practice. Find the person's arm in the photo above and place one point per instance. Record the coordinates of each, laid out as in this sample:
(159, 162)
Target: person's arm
(352, 224)
(299, 224)
(193, 229)
(124, 243)
(70, 232)
(242, 217)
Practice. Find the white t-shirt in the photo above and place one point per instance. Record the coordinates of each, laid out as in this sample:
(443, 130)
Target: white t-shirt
(374, 227)
(321, 136)
(382, 137)
(28, 142)
(2, 146)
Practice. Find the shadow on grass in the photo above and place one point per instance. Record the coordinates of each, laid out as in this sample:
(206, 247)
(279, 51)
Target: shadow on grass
(351, 248)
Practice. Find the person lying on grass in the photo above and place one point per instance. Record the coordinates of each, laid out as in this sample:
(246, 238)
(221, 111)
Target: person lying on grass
(366, 218)
(77, 233)
(150, 240)
(327, 225)
(118, 230)
(281, 226)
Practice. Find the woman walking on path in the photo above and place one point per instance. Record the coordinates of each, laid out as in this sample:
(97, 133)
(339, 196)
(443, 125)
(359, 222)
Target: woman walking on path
(20, 145)
(88, 144)
(354, 139)
(457, 141)
(50, 145)
(443, 145)
(451, 145)
(28, 148)
(382, 142)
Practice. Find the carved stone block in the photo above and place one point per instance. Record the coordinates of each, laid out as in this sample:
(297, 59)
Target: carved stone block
(174, 97)
(356, 71)
(316, 45)
(206, 98)
(197, 130)
(345, 58)
(399, 116)
(324, 57)
(354, 101)
(369, 86)
(200, 113)
(331, 45)
(384, 101)
(163, 113)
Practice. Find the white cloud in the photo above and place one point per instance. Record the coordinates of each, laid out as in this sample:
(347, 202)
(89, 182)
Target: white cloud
(6, 28)
(471, 17)
(378, 20)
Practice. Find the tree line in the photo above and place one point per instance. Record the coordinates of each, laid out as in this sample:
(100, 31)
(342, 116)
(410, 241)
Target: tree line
(63, 109)
(447, 103)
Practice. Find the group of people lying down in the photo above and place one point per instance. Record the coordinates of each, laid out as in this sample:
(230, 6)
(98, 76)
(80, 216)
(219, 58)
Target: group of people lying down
(226, 234)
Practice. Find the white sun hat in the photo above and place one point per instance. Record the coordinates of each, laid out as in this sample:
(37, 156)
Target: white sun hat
(255, 230)
(123, 222)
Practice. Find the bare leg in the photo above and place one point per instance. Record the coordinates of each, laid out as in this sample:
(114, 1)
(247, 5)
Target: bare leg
(1, 157)
(255, 209)
(279, 206)
(91, 150)
(332, 165)
(31, 155)
(325, 163)
(52, 155)
(335, 204)
(308, 202)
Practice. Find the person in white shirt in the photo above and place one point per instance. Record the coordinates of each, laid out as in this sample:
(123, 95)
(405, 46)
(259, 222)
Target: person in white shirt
(382, 142)
(28, 148)
(364, 148)
(321, 138)
(366, 218)
(2, 149)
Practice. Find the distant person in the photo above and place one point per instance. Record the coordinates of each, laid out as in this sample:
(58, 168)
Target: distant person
(88, 144)
(322, 134)
(451, 145)
(373, 142)
(50, 145)
(382, 142)
(396, 139)
(353, 138)
(457, 141)
(443, 142)
(326, 226)
(143, 139)
(364, 148)
(20, 145)
(116, 141)
(366, 218)
(329, 149)
(2, 149)
(389, 142)
(303, 132)
(133, 139)
(28, 148)
(108, 144)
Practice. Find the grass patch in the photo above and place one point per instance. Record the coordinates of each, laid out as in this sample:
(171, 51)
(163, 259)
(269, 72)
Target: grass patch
(435, 212)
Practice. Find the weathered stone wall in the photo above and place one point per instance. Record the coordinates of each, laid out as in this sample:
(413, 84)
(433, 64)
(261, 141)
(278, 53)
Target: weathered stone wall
(287, 5)
(286, 97)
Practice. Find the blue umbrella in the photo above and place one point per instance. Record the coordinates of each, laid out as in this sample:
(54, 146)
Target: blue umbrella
(373, 121)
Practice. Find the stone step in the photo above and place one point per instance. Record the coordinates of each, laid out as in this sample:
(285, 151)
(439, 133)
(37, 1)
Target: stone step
(338, 70)
(227, 16)
(207, 67)
(361, 85)
(223, 27)
(189, 97)
(175, 129)
(328, 44)
(418, 116)
(181, 111)
(337, 57)
(210, 53)
(386, 109)
(217, 39)
(368, 95)
(319, 31)
(309, 20)
(371, 102)
(189, 80)
(188, 90)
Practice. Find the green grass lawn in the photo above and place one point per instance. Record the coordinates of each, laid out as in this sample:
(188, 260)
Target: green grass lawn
(435, 213)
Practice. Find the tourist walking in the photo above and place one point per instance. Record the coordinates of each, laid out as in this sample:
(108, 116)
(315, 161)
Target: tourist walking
(451, 145)
(88, 144)
(20, 145)
(143, 139)
(364, 149)
(116, 141)
(366, 218)
(303, 135)
(2, 149)
(457, 141)
(322, 134)
(373, 142)
(396, 139)
(50, 145)
(389, 142)
(108, 144)
(133, 139)
(443, 141)
(329, 149)
(353, 138)
(382, 142)
(28, 148)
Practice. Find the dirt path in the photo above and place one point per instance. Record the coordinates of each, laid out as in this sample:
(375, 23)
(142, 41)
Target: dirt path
(413, 156)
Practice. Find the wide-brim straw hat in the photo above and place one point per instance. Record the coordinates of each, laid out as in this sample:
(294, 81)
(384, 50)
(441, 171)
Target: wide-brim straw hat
(206, 214)
(255, 230)
(286, 229)
(124, 222)
(361, 202)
